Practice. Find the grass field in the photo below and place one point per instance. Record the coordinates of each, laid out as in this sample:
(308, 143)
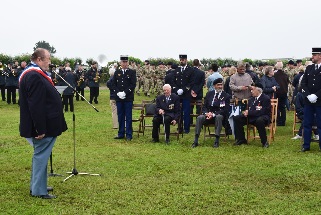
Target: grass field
(140, 177)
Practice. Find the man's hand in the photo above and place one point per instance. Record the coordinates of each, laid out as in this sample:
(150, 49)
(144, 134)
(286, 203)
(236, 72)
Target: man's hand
(39, 137)
(246, 113)
(244, 88)
(161, 111)
(193, 93)
(173, 122)
(274, 88)
(209, 115)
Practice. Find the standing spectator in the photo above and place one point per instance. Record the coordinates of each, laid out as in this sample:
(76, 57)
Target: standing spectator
(270, 85)
(199, 81)
(227, 88)
(283, 80)
(212, 77)
(123, 85)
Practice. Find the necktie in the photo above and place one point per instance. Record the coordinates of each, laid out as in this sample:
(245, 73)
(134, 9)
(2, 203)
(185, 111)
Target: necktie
(167, 99)
(316, 66)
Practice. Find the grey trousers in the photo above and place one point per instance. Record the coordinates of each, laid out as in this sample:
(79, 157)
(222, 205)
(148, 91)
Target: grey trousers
(217, 121)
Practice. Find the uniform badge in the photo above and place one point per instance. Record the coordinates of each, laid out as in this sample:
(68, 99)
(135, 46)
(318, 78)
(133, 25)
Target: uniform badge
(171, 106)
(118, 74)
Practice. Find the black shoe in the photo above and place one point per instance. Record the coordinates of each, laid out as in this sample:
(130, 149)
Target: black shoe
(47, 196)
(167, 141)
(186, 132)
(216, 144)
(240, 142)
(48, 190)
(305, 149)
(194, 145)
(266, 145)
(96, 102)
(117, 137)
(90, 102)
(155, 140)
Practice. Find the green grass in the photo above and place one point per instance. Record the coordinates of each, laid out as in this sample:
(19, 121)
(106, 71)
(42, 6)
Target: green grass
(140, 177)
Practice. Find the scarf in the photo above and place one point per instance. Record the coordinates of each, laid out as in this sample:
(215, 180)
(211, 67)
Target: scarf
(35, 67)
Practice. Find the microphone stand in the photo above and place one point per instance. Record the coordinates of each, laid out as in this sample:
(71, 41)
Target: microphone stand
(74, 171)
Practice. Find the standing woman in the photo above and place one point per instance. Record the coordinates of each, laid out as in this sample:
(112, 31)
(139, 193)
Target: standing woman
(270, 86)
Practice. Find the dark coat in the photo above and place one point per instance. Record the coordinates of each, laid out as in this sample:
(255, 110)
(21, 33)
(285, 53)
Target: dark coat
(112, 92)
(221, 105)
(90, 75)
(283, 80)
(268, 83)
(311, 84)
(70, 77)
(12, 80)
(295, 82)
(80, 74)
(183, 80)
(172, 108)
(299, 105)
(227, 88)
(261, 107)
(2, 78)
(124, 82)
(40, 107)
(169, 77)
(199, 81)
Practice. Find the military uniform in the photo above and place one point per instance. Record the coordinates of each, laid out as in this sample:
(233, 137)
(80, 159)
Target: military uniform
(123, 84)
(92, 77)
(311, 86)
(81, 84)
(159, 77)
(11, 85)
(148, 81)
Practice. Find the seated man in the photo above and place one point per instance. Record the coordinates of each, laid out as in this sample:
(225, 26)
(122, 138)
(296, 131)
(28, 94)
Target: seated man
(216, 107)
(167, 112)
(258, 114)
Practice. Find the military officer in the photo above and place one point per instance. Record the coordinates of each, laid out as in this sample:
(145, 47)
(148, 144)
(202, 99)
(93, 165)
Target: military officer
(182, 85)
(311, 90)
(123, 85)
(147, 76)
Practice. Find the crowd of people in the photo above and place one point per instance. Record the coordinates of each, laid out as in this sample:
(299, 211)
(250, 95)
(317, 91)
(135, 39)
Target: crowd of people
(176, 87)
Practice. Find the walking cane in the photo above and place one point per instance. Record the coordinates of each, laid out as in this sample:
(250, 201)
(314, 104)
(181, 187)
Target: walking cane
(164, 125)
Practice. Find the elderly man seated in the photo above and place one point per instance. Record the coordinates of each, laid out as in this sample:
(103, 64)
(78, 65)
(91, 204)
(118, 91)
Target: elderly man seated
(216, 107)
(257, 114)
(167, 112)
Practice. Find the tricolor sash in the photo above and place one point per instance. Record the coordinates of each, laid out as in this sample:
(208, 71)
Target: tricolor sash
(35, 67)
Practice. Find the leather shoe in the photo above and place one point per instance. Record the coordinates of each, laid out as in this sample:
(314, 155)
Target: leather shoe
(155, 140)
(194, 145)
(117, 137)
(266, 145)
(47, 196)
(216, 144)
(305, 149)
(240, 142)
(48, 190)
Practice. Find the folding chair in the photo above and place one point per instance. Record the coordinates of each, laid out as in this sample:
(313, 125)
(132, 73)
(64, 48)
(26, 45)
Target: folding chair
(269, 127)
(296, 121)
(148, 112)
(195, 104)
(138, 111)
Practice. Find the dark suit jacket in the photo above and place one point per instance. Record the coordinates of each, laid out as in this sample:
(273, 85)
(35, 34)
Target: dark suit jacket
(311, 84)
(183, 80)
(172, 108)
(199, 81)
(124, 82)
(221, 105)
(70, 77)
(261, 107)
(40, 107)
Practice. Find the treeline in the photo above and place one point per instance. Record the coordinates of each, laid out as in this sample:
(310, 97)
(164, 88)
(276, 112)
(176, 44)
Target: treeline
(5, 59)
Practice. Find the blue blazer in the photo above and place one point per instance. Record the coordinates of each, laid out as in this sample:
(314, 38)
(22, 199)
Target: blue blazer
(40, 107)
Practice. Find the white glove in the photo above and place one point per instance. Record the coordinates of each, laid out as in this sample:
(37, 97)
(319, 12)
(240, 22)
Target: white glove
(121, 95)
(312, 98)
(180, 92)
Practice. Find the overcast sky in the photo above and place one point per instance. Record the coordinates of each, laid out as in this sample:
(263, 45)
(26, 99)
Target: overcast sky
(149, 29)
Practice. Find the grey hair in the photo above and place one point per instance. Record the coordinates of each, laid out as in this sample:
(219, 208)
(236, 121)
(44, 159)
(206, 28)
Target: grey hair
(260, 90)
(167, 86)
(241, 64)
(279, 65)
